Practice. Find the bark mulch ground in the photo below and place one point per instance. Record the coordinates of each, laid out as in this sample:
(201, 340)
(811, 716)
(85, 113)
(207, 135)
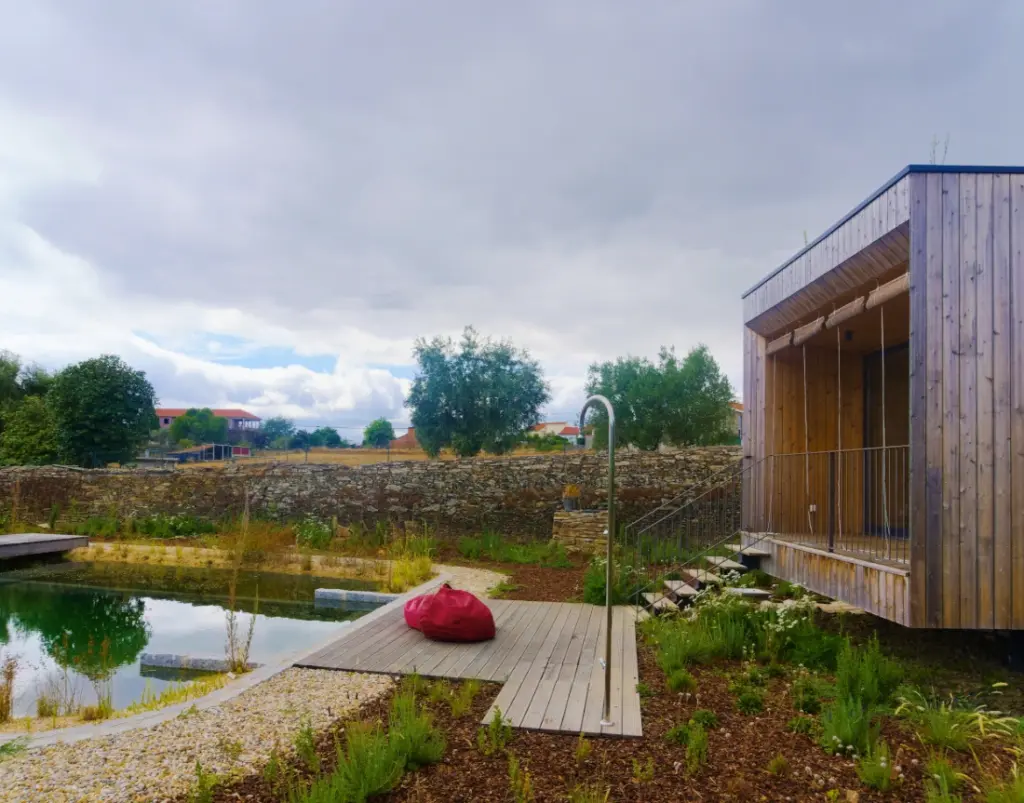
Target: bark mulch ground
(530, 581)
(647, 769)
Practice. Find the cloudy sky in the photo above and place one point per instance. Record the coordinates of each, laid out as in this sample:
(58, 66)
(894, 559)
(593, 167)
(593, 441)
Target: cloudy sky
(264, 204)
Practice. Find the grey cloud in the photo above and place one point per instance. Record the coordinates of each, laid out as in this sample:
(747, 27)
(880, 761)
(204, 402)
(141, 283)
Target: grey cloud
(588, 177)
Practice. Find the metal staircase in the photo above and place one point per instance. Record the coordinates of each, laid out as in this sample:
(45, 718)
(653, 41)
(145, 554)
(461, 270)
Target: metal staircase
(690, 542)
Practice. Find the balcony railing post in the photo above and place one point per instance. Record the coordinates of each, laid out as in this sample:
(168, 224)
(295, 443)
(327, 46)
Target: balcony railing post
(831, 501)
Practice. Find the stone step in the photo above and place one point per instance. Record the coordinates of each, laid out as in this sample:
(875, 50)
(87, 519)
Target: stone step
(679, 588)
(658, 602)
(749, 551)
(701, 577)
(752, 594)
(724, 564)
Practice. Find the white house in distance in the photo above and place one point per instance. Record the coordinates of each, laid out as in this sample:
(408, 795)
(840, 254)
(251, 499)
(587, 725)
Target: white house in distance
(237, 419)
(560, 428)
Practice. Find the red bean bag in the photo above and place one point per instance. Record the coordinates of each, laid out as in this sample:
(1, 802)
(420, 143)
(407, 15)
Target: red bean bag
(450, 615)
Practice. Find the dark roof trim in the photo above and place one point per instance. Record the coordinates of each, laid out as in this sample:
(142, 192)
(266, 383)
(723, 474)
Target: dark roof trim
(904, 172)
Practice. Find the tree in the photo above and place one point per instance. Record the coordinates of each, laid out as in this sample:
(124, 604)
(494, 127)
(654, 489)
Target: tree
(19, 381)
(199, 426)
(277, 427)
(681, 403)
(325, 436)
(480, 395)
(104, 411)
(378, 434)
(30, 434)
(300, 440)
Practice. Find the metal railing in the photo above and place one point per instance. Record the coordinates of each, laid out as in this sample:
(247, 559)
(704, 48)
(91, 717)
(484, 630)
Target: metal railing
(853, 500)
(680, 533)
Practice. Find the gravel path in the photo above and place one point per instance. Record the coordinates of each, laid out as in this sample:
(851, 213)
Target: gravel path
(158, 764)
(476, 581)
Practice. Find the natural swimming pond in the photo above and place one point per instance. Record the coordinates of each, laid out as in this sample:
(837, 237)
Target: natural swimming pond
(78, 630)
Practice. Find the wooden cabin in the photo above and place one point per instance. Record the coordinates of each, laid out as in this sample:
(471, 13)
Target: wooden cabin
(884, 384)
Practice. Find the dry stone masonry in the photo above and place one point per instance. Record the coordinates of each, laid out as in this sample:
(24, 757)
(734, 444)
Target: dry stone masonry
(517, 495)
(581, 530)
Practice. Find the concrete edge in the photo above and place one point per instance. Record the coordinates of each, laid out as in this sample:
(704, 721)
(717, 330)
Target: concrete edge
(236, 687)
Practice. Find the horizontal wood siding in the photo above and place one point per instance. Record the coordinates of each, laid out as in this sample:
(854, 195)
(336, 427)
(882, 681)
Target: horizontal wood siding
(967, 400)
(881, 590)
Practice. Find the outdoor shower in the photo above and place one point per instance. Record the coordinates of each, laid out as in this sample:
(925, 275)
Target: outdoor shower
(593, 401)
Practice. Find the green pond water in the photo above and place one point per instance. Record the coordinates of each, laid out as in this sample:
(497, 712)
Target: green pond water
(87, 624)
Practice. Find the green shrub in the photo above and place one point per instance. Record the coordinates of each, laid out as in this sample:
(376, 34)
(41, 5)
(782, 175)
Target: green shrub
(176, 526)
(807, 692)
(594, 583)
(779, 765)
(706, 719)
(750, 702)
(875, 767)
(682, 681)
(413, 733)
(495, 736)
(866, 674)
(787, 590)
(519, 782)
(204, 787)
(462, 701)
(696, 749)
(493, 546)
(370, 764)
(846, 727)
(681, 644)
(814, 648)
(942, 780)
(802, 725)
(678, 734)
(312, 533)
(305, 747)
(644, 690)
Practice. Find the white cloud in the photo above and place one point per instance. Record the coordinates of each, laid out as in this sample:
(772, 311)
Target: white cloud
(203, 189)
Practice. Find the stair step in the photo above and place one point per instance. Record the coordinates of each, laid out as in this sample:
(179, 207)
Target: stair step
(750, 593)
(680, 588)
(702, 576)
(725, 564)
(659, 602)
(749, 551)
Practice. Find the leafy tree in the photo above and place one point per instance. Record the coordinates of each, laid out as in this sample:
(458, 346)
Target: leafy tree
(103, 410)
(301, 440)
(30, 434)
(479, 395)
(199, 426)
(684, 403)
(277, 427)
(19, 381)
(378, 434)
(325, 436)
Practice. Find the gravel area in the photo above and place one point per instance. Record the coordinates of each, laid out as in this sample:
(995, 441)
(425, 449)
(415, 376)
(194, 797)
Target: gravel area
(158, 764)
(475, 581)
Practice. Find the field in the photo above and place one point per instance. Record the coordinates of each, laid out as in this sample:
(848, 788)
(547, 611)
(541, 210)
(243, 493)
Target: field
(345, 457)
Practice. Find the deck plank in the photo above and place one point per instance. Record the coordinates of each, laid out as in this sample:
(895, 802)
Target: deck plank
(546, 653)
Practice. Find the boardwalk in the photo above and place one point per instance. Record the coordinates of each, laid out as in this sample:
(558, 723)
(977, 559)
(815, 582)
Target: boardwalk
(546, 653)
(24, 544)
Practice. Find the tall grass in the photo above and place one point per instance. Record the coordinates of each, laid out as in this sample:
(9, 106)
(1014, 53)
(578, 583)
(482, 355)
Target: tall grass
(493, 546)
(8, 672)
(372, 760)
(238, 645)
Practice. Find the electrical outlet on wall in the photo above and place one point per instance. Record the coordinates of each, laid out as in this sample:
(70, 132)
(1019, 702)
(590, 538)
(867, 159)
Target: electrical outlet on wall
(813, 508)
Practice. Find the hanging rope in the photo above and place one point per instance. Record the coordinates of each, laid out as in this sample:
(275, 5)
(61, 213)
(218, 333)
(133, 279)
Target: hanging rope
(807, 451)
(885, 455)
(839, 432)
(771, 475)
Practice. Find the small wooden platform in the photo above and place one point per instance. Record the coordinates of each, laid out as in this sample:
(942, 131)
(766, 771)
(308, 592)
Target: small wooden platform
(548, 655)
(25, 544)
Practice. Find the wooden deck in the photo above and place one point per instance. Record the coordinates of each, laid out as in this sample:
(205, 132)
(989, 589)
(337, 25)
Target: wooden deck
(548, 655)
(25, 544)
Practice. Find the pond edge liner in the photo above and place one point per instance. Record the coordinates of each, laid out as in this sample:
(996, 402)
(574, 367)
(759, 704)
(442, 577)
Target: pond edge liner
(148, 719)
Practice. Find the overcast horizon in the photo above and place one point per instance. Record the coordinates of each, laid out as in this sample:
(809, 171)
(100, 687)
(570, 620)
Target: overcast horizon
(263, 206)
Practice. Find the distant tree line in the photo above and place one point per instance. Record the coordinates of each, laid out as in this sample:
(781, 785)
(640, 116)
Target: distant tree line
(471, 396)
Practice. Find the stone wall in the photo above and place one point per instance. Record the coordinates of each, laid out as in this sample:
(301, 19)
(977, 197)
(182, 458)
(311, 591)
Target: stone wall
(581, 530)
(517, 495)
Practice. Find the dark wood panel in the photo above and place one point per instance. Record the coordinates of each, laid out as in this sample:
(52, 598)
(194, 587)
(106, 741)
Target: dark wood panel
(984, 577)
(947, 377)
(967, 359)
(921, 615)
(1002, 377)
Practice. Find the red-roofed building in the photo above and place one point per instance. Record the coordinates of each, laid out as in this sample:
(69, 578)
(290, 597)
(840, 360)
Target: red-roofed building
(237, 419)
(569, 432)
(407, 441)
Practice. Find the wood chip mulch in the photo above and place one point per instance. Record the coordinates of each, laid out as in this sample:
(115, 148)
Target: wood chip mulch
(740, 749)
